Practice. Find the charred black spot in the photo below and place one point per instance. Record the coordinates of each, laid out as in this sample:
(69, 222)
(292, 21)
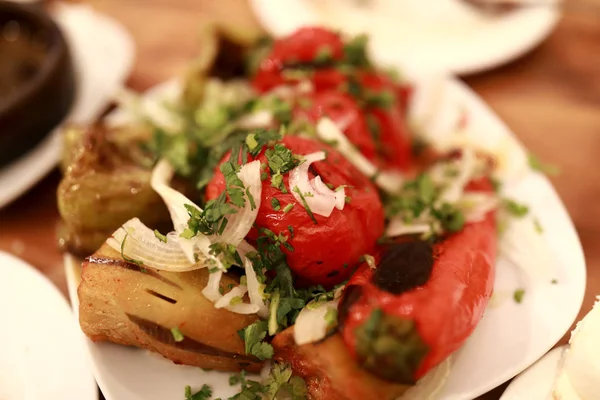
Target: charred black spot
(404, 266)
(165, 336)
(333, 273)
(319, 262)
(351, 295)
(161, 296)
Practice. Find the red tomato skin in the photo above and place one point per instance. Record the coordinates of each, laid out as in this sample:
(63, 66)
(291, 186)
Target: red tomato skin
(327, 252)
(343, 109)
(300, 47)
(449, 306)
(396, 143)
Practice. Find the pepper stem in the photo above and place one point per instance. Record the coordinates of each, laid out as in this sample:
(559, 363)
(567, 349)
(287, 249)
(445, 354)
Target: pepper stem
(390, 347)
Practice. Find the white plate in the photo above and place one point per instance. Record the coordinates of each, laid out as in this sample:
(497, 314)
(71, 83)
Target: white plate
(43, 356)
(535, 383)
(102, 52)
(509, 338)
(446, 36)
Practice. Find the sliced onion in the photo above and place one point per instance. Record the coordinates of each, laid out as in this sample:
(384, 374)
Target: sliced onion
(429, 386)
(328, 131)
(319, 198)
(475, 205)
(211, 291)
(311, 325)
(175, 202)
(240, 223)
(397, 227)
(142, 245)
(241, 308)
(258, 119)
(256, 289)
(466, 170)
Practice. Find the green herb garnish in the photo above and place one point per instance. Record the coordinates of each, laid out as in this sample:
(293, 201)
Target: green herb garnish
(253, 336)
(518, 295)
(177, 335)
(305, 204)
(160, 236)
(515, 209)
(537, 165)
(275, 204)
(205, 393)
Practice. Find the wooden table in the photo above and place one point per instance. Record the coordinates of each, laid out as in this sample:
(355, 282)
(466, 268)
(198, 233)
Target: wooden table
(550, 98)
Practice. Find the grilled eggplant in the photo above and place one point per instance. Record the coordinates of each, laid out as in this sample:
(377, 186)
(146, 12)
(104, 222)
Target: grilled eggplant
(330, 372)
(105, 184)
(121, 302)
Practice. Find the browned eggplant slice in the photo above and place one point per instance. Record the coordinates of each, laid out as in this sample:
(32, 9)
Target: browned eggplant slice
(121, 302)
(330, 372)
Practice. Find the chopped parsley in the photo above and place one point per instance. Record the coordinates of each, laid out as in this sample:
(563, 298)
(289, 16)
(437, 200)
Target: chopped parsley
(518, 295)
(420, 197)
(277, 182)
(124, 257)
(177, 335)
(537, 165)
(227, 254)
(382, 99)
(554, 281)
(254, 336)
(278, 385)
(160, 236)
(355, 51)
(538, 227)
(205, 393)
(305, 204)
(324, 55)
(280, 159)
(275, 204)
(288, 208)
(515, 209)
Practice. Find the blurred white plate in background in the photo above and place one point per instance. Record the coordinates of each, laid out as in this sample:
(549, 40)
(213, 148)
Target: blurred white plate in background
(102, 52)
(43, 354)
(429, 35)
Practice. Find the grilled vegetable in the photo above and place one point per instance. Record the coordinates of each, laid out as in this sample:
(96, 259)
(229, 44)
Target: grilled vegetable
(368, 105)
(165, 312)
(103, 186)
(316, 246)
(330, 372)
(420, 303)
(223, 53)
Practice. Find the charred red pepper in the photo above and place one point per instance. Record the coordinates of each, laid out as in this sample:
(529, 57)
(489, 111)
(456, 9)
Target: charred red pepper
(420, 303)
(319, 250)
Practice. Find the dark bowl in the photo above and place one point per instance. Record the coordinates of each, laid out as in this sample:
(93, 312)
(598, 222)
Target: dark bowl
(37, 82)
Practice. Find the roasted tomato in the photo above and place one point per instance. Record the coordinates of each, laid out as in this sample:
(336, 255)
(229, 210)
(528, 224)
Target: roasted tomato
(305, 46)
(392, 130)
(325, 249)
(344, 110)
